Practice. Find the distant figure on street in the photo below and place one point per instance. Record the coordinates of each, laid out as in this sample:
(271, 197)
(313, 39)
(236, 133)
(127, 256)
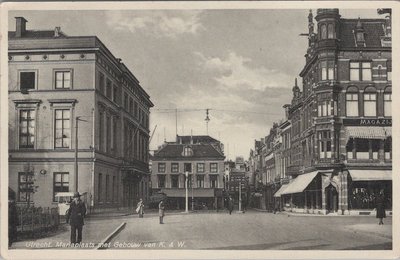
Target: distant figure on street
(161, 211)
(230, 205)
(244, 205)
(140, 208)
(75, 216)
(12, 219)
(380, 207)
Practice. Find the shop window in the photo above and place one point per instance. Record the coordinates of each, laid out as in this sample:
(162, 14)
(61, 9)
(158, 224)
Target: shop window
(174, 167)
(161, 181)
(375, 144)
(362, 148)
(388, 148)
(387, 98)
(200, 181)
(350, 149)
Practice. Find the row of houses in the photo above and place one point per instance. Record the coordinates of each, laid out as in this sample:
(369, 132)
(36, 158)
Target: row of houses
(332, 153)
(78, 121)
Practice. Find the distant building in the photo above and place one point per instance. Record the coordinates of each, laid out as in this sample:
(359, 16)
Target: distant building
(203, 158)
(58, 83)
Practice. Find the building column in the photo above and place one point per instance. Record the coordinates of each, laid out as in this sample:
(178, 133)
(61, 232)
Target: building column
(305, 201)
(344, 193)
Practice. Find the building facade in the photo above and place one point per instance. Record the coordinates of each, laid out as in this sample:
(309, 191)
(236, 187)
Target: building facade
(202, 158)
(78, 121)
(341, 121)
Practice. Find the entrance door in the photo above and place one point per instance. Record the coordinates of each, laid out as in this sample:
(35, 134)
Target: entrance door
(332, 200)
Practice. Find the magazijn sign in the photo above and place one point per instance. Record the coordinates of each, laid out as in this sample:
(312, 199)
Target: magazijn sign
(367, 122)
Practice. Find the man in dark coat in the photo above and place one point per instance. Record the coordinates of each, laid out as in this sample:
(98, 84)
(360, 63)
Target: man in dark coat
(380, 207)
(12, 219)
(161, 211)
(230, 205)
(75, 215)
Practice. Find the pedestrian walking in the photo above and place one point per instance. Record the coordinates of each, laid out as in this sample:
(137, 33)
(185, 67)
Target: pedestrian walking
(161, 211)
(230, 205)
(75, 215)
(244, 205)
(12, 219)
(380, 207)
(140, 208)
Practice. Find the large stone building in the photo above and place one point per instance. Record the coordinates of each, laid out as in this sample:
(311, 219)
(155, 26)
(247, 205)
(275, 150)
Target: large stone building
(337, 139)
(71, 94)
(202, 157)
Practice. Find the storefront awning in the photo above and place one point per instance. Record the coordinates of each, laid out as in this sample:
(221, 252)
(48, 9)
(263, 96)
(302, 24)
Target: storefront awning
(300, 183)
(281, 189)
(366, 132)
(181, 193)
(371, 175)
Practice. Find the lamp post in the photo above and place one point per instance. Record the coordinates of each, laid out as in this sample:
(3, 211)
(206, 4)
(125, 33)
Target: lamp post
(77, 119)
(187, 193)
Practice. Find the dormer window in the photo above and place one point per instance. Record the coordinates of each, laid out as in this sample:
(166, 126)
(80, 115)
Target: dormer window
(187, 151)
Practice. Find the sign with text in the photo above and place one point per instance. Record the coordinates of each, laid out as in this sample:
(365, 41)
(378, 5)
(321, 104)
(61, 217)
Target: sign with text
(367, 122)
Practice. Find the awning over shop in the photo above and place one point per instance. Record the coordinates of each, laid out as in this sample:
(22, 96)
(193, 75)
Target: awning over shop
(371, 175)
(300, 183)
(366, 132)
(281, 189)
(180, 193)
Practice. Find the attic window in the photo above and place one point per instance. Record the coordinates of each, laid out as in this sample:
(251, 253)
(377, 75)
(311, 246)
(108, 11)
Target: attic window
(187, 151)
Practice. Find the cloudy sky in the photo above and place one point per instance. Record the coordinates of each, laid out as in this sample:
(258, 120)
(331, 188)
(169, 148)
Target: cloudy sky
(240, 64)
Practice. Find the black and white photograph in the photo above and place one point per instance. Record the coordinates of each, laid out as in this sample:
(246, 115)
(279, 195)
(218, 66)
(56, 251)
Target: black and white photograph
(141, 129)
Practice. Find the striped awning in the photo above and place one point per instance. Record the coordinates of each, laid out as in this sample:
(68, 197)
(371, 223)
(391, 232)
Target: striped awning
(366, 132)
(371, 175)
(300, 183)
(281, 189)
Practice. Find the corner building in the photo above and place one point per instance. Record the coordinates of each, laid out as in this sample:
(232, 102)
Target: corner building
(341, 138)
(70, 94)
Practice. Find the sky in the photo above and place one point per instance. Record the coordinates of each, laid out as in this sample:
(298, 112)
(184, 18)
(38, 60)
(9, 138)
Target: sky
(241, 64)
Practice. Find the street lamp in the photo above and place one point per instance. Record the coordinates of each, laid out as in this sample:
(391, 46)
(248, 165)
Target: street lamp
(187, 193)
(77, 119)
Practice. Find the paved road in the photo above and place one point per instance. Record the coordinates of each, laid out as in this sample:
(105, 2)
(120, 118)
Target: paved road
(254, 230)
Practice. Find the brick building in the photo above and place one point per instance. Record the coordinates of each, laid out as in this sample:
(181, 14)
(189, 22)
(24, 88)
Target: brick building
(70, 94)
(203, 158)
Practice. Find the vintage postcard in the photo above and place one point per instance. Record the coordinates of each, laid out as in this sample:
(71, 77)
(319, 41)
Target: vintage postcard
(182, 130)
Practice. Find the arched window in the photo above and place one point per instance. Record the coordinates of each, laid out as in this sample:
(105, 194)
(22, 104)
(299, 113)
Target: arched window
(352, 101)
(370, 101)
(331, 33)
(387, 101)
(323, 31)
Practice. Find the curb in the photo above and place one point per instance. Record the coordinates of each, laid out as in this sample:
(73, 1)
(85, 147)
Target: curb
(103, 244)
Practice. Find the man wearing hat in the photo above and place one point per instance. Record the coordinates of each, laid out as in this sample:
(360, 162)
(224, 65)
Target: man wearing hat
(75, 215)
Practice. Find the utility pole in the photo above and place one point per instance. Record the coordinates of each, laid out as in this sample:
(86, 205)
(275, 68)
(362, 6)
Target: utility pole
(187, 193)
(240, 196)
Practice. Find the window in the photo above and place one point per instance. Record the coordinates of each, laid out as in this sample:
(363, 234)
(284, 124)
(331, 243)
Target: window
(214, 181)
(25, 186)
(107, 187)
(114, 184)
(27, 80)
(100, 187)
(327, 70)
(115, 135)
(187, 167)
(331, 32)
(369, 104)
(136, 110)
(350, 149)
(101, 131)
(387, 99)
(174, 181)
(60, 183)
(187, 151)
(109, 89)
(108, 133)
(375, 144)
(189, 181)
(63, 79)
(213, 167)
(200, 181)
(388, 148)
(325, 148)
(360, 71)
(101, 82)
(115, 94)
(161, 167)
(174, 167)
(362, 148)
(323, 31)
(200, 167)
(380, 72)
(161, 181)
(26, 128)
(131, 105)
(126, 101)
(352, 104)
(389, 70)
(324, 108)
(62, 135)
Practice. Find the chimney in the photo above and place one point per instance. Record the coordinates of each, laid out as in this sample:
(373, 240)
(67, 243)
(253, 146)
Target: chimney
(20, 26)
(57, 32)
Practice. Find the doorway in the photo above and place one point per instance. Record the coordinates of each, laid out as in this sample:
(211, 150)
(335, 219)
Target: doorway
(332, 200)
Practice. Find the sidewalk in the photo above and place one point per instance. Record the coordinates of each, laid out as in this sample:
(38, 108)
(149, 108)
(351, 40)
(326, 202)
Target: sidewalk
(373, 229)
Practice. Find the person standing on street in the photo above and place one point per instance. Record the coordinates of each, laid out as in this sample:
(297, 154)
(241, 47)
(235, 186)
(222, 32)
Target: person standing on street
(75, 216)
(140, 208)
(161, 211)
(230, 205)
(380, 207)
